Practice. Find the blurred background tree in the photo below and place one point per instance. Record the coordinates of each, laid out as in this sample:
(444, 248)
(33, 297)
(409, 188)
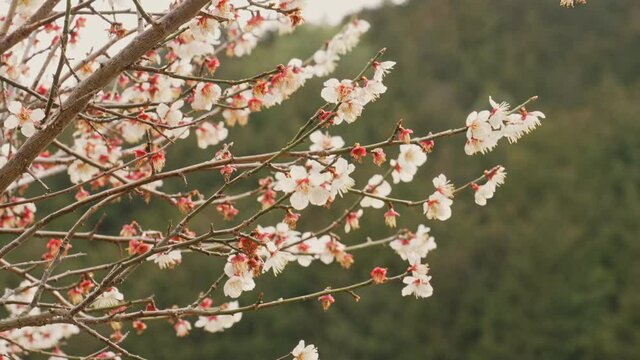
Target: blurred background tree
(547, 270)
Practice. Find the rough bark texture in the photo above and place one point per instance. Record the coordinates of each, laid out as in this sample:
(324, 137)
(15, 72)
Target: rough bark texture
(83, 92)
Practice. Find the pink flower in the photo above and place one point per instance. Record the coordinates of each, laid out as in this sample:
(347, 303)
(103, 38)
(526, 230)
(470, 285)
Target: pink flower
(326, 301)
(379, 275)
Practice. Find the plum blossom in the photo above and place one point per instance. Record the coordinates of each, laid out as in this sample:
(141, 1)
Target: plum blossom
(495, 177)
(342, 181)
(411, 156)
(108, 355)
(437, 207)
(325, 62)
(204, 28)
(352, 221)
(277, 259)
(371, 91)
(240, 276)
(96, 149)
(209, 134)
(499, 112)
(520, 124)
(302, 352)
(379, 275)
(376, 186)
(167, 260)
(480, 135)
(417, 285)
(109, 298)
(443, 185)
(23, 117)
(306, 250)
(219, 323)
(483, 192)
(414, 247)
(17, 216)
(486, 128)
(323, 141)
(182, 328)
(306, 187)
(133, 131)
(205, 95)
(343, 42)
(402, 173)
(336, 91)
(382, 69)
(170, 115)
(327, 248)
(80, 171)
(349, 111)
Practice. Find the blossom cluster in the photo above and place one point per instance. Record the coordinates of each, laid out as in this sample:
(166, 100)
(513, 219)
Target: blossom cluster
(487, 127)
(30, 337)
(119, 147)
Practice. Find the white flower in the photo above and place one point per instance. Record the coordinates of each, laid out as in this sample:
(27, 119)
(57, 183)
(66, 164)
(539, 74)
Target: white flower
(348, 111)
(341, 179)
(209, 134)
(205, 95)
(376, 186)
(109, 298)
(443, 185)
(79, 171)
(371, 91)
(335, 91)
(414, 247)
(520, 124)
(133, 131)
(323, 141)
(239, 274)
(438, 207)
(23, 117)
(207, 29)
(302, 352)
(484, 192)
(167, 260)
(325, 62)
(170, 115)
(417, 285)
(235, 285)
(497, 175)
(218, 323)
(402, 173)
(382, 68)
(499, 113)
(480, 135)
(411, 156)
(306, 187)
(304, 248)
(276, 259)
(327, 248)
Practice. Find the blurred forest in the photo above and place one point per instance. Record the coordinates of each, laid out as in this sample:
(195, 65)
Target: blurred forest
(547, 270)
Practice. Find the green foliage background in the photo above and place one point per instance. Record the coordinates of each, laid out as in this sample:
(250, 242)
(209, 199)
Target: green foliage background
(548, 270)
